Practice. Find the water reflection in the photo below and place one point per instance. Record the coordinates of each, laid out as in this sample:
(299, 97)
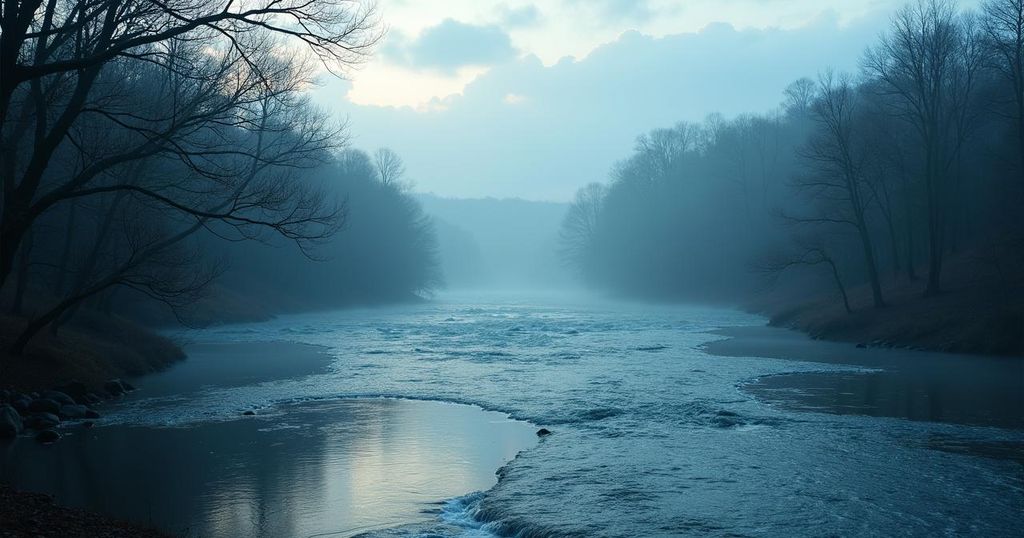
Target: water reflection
(318, 468)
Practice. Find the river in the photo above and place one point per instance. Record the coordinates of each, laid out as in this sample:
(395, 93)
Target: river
(655, 431)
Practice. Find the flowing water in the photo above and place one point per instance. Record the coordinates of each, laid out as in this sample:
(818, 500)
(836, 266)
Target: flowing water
(652, 434)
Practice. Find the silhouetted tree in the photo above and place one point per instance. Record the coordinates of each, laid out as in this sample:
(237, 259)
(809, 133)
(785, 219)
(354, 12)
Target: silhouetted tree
(579, 227)
(837, 156)
(390, 167)
(58, 61)
(1003, 25)
(928, 64)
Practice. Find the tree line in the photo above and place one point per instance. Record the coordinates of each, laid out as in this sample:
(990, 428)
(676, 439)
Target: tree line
(137, 136)
(877, 177)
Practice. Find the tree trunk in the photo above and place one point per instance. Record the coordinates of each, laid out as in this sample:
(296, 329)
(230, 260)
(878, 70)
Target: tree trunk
(839, 284)
(65, 255)
(909, 232)
(869, 261)
(935, 225)
(21, 282)
(39, 323)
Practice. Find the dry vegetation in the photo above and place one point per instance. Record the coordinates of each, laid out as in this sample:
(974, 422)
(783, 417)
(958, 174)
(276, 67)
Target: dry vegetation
(92, 351)
(977, 314)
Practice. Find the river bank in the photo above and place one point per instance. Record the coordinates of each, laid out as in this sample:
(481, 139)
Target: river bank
(984, 391)
(974, 314)
(291, 467)
(92, 352)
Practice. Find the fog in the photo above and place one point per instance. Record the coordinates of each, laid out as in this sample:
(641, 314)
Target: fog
(567, 268)
(765, 165)
(508, 244)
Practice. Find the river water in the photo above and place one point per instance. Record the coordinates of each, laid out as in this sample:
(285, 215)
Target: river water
(653, 435)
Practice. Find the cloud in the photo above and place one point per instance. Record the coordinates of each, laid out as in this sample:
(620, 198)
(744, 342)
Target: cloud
(519, 17)
(449, 46)
(616, 10)
(541, 131)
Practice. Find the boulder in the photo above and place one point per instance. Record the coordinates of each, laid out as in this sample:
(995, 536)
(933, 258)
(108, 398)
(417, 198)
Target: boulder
(128, 387)
(48, 436)
(20, 404)
(58, 397)
(543, 432)
(44, 405)
(114, 387)
(249, 413)
(42, 421)
(10, 422)
(73, 411)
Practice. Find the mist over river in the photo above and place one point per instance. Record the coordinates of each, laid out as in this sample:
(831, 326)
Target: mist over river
(652, 434)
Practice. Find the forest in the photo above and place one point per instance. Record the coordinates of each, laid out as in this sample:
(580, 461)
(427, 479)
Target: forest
(895, 187)
(165, 165)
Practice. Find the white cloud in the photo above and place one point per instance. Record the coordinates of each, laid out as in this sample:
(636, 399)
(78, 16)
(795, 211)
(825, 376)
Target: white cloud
(475, 133)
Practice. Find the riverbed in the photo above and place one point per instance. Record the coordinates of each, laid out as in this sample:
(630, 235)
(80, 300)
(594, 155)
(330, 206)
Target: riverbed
(655, 431)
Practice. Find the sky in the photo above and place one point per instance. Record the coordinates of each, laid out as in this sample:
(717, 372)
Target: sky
(533, 100)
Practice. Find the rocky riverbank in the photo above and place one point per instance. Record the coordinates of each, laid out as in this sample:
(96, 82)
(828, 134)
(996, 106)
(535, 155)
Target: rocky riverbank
(41, 414)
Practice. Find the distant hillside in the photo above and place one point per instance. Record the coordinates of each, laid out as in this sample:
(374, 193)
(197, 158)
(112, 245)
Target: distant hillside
(506, 243)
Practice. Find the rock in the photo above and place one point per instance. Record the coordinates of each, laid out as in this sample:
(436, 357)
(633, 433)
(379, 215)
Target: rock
(249, 413)
(128, 387)
(862, 345)
(42, 421)
(92, 399)
(89, 413)
(543, 432)
(48, 436)
(73, 411)
(77, 390)
(114, 387)
(20, 404)
(44, 405)
(58, 397)
(10, 422)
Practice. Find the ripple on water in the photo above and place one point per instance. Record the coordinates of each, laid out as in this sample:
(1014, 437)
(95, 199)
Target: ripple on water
(667, 441)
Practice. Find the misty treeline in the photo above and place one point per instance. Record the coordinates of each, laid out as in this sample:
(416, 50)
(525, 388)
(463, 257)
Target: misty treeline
(878, 179)
(142, 144)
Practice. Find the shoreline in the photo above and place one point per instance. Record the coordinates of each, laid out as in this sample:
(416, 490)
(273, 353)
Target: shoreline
(288, 427)
(925, 386)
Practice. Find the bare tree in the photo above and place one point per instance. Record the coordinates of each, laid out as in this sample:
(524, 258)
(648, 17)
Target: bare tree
(799, 96)
(836, 156)
(808, 252)
(56, 58)
(1003, 25)
(244, 187)
(928, 64)
(390, 167)
(580, 226)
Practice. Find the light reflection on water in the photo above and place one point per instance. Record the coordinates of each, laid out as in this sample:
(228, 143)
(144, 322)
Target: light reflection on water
(654, 436)
(332, 467)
